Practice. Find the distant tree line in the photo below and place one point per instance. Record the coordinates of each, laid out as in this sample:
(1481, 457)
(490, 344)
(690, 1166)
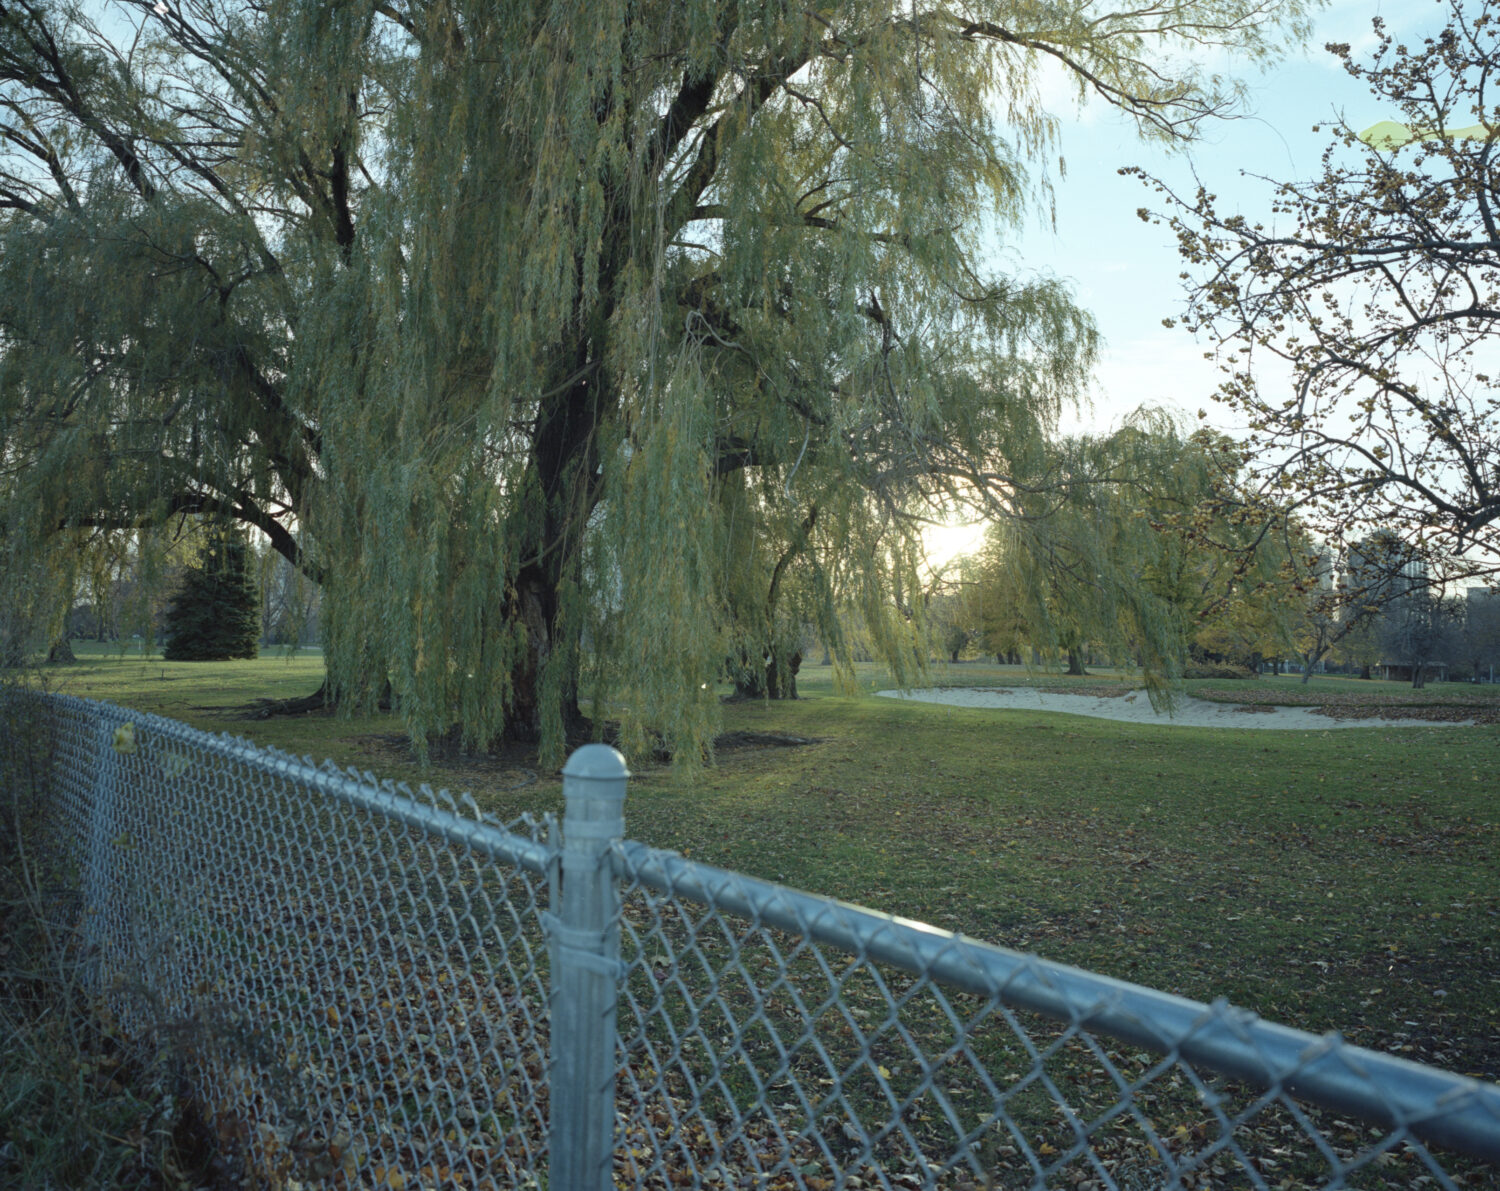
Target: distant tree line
(1244, 585)
(117, 600)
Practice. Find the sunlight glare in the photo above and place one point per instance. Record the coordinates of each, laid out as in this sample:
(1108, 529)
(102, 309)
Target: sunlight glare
(946, 542)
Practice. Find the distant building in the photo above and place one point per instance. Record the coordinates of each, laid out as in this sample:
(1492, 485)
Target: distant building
(1402, 672)
(1482, 631)
(1381, 568)
(1386, 580)
(1322, 571)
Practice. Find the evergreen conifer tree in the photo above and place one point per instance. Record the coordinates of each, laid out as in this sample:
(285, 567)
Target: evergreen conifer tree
(215, 615)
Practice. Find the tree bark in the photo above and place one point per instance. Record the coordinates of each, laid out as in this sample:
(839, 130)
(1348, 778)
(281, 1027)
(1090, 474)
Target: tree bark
(772, 681)
(320, 700)
(747, 687)
(1308, 662)
(301, 705)
(61, 652)
(564, 453)
(783, 682)
(776, 681)
(533, 603)
(1075, 662)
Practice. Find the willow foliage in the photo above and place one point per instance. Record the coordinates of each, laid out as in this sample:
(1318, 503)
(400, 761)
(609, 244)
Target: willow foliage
(1141, 545)
(539, 331)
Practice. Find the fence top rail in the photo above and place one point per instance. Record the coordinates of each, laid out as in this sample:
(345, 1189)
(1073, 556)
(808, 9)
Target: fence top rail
(1439, 1106)
(435, 812)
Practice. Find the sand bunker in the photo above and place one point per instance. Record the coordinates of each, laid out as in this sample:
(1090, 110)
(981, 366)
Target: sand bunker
(1136, 708)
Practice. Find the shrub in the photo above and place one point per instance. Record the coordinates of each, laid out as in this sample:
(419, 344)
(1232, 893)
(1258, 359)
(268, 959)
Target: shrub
(78, 1108)
(1217, 670)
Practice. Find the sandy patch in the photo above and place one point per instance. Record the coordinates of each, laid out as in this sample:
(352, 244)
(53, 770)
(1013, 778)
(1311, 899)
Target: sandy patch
(1136, 708)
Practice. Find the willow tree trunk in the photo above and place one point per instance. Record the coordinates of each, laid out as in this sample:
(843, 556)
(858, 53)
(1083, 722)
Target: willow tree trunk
(533, 604)
(565, 457)
(320, 700)
(1075, 662)
(782, 680)
(775, 679)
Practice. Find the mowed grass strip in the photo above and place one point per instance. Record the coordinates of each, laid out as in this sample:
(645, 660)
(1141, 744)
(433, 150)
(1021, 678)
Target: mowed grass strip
(1328, 880)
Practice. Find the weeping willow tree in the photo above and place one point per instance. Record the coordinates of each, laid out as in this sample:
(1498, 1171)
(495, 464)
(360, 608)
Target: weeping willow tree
(1065, 575)
(550, 337)
(1137, 545)
(1232, 565)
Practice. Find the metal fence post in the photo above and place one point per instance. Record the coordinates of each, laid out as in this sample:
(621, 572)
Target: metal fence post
(99, 890)
(585, 936)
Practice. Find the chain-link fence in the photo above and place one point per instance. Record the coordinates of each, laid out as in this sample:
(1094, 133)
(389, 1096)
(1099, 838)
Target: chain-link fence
(373, 988)
(353, 977)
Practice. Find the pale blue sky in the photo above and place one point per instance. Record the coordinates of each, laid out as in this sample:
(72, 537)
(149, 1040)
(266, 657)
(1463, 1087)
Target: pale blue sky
(1126, 271)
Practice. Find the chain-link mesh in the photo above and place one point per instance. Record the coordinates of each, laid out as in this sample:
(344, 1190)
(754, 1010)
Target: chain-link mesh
(772, 1039)
(353, 976)
(356, 980)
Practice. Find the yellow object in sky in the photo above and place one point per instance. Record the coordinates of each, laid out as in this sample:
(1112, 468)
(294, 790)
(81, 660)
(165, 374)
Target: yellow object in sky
(1390, 135)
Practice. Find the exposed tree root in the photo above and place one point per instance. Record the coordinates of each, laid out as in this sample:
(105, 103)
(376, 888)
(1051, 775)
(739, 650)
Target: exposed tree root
(319, 700)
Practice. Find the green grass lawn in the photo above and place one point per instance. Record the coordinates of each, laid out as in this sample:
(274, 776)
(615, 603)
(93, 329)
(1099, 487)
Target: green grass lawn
(1343, 880)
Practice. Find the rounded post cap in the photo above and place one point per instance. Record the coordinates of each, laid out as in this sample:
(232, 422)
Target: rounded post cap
(596, 762)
